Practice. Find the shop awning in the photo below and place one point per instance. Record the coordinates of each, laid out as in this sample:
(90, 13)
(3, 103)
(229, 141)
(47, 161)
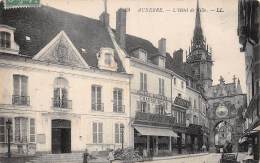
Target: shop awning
(150, 131)
(257, 128)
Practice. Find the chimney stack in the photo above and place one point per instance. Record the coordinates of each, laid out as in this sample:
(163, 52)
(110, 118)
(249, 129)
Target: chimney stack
(162, 46)
(121, 26)
(104, 17)
(178, 57)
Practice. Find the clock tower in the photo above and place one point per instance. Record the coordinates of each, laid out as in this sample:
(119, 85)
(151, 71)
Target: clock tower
(199, 55)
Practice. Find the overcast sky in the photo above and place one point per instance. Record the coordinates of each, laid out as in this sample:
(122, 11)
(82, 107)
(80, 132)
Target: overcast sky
(220, 28)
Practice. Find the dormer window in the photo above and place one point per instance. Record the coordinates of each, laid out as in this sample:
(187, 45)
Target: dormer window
(106, 59)
(142, 55)
(161, 62)
(5, 40)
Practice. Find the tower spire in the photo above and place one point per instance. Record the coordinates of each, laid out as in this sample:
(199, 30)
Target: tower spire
(105, 6)
(198, 35)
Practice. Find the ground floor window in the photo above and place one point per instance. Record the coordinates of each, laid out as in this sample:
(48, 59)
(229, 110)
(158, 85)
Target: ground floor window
(22, 129)
(4, 131)
(97, 132)
(119, 131)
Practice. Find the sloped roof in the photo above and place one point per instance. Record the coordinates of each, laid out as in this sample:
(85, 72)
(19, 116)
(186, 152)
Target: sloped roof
(44, 23)
(133, 43)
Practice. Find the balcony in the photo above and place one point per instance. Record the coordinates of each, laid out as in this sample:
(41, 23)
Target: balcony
(62, 103)
(153, 119)
(97, 107)
(119, 108)
(21, 100)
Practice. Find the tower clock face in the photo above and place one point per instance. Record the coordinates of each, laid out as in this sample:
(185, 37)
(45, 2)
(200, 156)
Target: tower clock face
(221, 111)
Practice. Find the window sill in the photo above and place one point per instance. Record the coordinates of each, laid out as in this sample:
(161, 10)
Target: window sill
(61, 109)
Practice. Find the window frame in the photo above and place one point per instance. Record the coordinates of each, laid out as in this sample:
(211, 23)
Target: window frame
(118, 102)
(96, 99)
(98, 135)
(5, 39)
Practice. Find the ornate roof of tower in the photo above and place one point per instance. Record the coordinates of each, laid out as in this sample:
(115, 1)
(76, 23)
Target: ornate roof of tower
(198, 34)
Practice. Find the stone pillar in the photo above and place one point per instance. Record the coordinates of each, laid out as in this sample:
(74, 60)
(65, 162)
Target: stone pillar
(156, 145)
(170, 144)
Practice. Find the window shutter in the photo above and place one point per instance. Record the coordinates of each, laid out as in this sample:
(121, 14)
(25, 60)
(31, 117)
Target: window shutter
(145, 82)
(99, 98)
(116, 133)
(93, 98)
(159, 86)
(141, 81)
(24, 129)
(32, 130)
(121, 133)
(94, 127)
(17, 129)
(24, 80)
(100, 132)
(115, 101)
(2, 129)
(162, 87)
(16, 82)
(56, 94)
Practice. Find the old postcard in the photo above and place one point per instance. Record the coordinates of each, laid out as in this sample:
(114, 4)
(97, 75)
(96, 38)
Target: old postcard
(129, 81)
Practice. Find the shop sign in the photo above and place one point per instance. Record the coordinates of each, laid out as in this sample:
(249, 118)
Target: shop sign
(181, 102)
(154, 118)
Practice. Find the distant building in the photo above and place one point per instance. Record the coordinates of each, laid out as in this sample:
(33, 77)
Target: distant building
(249, 33)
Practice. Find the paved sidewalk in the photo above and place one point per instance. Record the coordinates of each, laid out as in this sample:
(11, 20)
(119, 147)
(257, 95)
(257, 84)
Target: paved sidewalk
(179, 156)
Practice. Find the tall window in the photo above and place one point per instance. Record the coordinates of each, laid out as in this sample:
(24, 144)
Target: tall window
(97, 132)
(20, 87)
(5, 40)
(118, 100)
(161, 86)
(3, 129)
(195, 104)
(143, 106)
(143, 81)
(195, 120)
(24, 130)
(119, 131)
(96, 98)
(182, 84)
(60, 98)
(108, 59)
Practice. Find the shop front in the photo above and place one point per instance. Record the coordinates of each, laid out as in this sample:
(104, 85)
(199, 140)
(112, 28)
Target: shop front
(195, 134)
(153, 133)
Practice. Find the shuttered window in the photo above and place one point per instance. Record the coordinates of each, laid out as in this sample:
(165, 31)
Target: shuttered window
(143, 106)
(97, 132)
(96, 98)
(2, 129)
(161, 86)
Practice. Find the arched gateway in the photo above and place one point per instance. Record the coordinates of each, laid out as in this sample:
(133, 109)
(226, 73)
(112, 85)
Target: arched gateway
(226, 104)
(61, 136)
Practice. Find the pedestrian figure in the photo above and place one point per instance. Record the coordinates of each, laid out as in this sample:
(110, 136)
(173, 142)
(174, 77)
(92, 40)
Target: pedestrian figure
(86, 155)
(204, 148)
(111, 156)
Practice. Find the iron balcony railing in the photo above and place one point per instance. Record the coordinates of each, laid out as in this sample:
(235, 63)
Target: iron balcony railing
(20, 100)
(62, 103)
(97, 106)
(119, 108)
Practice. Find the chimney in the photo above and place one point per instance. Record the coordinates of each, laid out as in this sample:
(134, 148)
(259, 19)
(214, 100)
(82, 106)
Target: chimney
(121, 26)
(162, 46)
(104, 17)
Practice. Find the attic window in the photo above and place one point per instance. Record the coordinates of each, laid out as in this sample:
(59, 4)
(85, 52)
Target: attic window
(27, 38)
(5, 40)
(142, 54)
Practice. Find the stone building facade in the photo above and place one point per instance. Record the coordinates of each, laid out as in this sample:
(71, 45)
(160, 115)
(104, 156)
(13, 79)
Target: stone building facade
(249, 33)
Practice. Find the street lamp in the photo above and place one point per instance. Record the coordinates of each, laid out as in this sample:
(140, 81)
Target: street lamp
(122, 135)
(8, 126)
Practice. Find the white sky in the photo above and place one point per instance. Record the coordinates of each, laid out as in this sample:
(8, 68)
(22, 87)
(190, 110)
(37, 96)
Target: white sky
(220, 29)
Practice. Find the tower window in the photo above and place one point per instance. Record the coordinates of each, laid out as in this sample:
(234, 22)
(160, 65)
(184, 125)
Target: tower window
(5, 40)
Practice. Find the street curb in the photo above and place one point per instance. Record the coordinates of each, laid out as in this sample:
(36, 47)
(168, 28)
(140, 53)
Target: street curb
(178, 157)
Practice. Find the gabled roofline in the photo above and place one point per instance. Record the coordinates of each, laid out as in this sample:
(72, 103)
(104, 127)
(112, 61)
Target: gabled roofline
(60, 34)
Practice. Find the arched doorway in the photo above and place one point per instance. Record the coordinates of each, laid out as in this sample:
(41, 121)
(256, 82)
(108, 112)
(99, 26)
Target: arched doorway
(223, 133)
(61, 136)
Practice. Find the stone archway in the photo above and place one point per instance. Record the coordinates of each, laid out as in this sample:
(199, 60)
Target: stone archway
(222, 133)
